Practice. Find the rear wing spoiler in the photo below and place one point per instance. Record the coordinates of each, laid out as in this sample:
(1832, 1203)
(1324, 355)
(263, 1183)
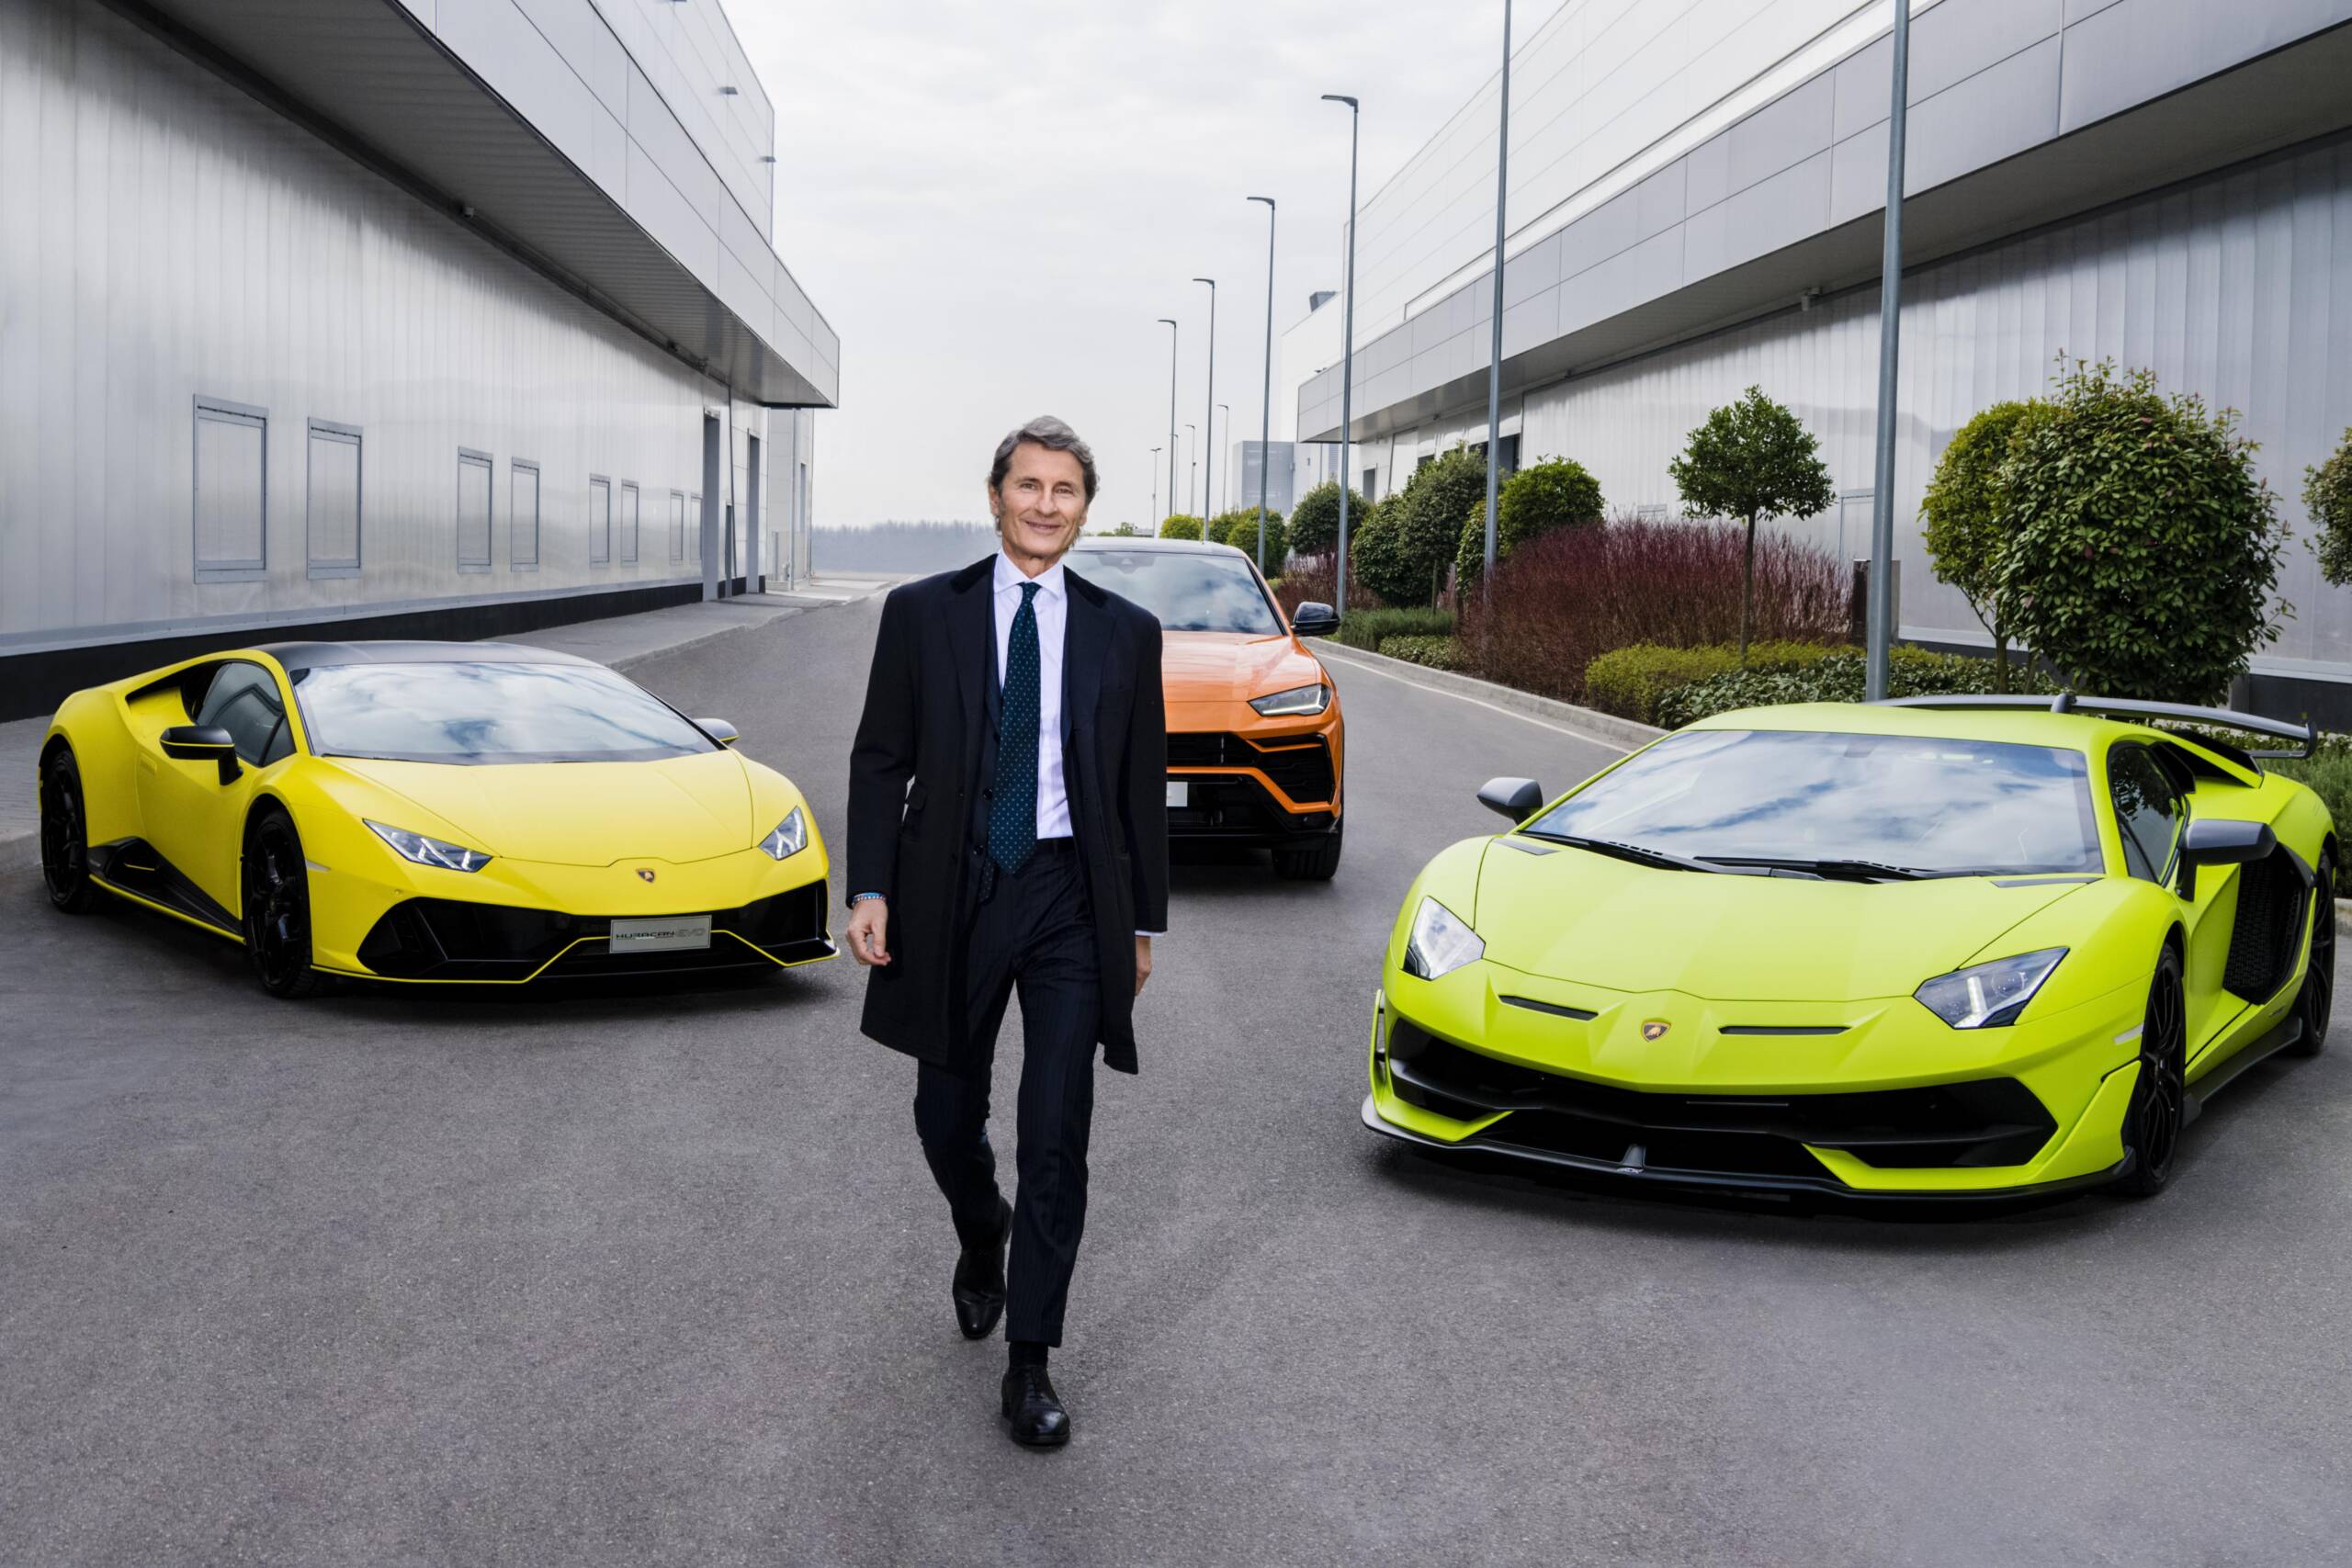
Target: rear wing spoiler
(2305, 735)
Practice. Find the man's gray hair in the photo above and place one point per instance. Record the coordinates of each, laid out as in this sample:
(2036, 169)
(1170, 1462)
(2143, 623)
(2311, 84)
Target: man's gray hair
(1055, 436)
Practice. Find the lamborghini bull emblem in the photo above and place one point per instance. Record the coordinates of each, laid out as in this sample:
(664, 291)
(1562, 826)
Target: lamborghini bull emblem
(1655, 1028)
(645, 873)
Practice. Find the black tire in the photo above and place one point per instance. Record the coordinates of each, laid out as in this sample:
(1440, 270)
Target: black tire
(2316, 1001)
(277, 883)
(2152, 1120)
(1313, 862)
(65, 837)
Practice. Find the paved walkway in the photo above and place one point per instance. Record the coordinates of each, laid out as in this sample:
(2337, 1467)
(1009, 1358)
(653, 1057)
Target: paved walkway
(620, 641)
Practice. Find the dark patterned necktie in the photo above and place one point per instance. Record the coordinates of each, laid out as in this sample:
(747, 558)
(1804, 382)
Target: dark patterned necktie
(1012, 819)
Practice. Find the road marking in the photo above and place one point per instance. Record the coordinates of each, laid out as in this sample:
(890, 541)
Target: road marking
(1490, 707)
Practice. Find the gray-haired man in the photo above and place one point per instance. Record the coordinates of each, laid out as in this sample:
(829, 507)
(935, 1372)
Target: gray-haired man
(1008, 825)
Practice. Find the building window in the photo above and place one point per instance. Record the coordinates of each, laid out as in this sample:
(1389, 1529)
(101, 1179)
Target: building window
(473, 510)
(523, 517)
(628, 524)
(232, 508)
(1371, 490)
(694, 528)
(600, 520)
(677, 525)
(331, 486)
(1650, 512)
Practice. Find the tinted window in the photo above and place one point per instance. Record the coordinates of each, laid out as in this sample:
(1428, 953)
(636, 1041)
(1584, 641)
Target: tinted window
(2147, 811)
(488, 712)
(243, 701)
(1950, 806)
(1188, 591)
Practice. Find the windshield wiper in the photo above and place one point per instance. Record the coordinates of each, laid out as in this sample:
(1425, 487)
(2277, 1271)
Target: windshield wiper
(1842, 870)
(1641, 854)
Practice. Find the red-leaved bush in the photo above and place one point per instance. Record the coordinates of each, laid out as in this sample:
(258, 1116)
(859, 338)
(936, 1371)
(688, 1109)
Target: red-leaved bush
(1568, 597)
(1311, 579)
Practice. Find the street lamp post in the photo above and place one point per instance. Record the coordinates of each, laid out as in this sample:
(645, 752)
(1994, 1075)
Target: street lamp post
(1155, 489)
(1266, 396)
(1169, 322)
(1494, 363)
(1225, 409)
(1193, 469)
(1880, 633)
(1209, 414)
(1348, 338)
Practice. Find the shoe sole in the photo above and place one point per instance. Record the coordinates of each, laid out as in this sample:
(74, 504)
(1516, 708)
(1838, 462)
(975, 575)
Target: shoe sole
(1059, 1440)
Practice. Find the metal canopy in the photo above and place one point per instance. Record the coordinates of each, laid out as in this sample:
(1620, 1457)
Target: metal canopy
(362, 75)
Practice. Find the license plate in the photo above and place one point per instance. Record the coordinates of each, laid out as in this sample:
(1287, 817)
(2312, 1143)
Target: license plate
(1179, 795)
(672, 933)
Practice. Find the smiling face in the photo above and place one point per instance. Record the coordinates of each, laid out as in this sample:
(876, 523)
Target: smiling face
(1040, 506)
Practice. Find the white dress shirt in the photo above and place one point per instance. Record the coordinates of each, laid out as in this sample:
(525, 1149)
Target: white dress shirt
(1052, 609)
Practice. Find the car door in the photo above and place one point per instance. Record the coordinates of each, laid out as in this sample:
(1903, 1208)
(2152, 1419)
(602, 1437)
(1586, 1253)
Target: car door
(2152, 802)
(194, 819)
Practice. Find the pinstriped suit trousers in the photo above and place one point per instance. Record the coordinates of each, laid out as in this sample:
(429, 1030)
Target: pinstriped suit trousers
(1036, 930)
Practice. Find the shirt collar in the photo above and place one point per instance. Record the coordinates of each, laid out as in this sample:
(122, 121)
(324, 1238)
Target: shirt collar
(1008, 577)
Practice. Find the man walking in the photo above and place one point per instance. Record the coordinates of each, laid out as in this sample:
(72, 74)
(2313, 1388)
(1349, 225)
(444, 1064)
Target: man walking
(1008, 825)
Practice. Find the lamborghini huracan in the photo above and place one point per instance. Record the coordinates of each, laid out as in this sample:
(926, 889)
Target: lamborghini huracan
(1938, 948)
(428, 812)
(1255, 740)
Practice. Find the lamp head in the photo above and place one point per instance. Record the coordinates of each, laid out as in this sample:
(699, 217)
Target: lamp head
(1267, 199)
(1339, 99)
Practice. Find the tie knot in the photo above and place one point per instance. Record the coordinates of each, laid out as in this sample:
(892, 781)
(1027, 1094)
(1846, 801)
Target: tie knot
(1028, 594)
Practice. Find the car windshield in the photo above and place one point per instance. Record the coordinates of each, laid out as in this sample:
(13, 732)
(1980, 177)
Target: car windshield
(1949, 807)
(488, 712)
(1189, 591)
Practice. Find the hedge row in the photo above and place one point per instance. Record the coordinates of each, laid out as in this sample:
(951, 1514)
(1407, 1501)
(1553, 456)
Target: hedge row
(1436, 653)
(1629, 682)
(1838, 677)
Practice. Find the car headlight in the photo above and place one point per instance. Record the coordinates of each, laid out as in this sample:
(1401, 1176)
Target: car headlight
(1298, 700)
(1440, 942)
(425, 851)
(790, 837)
(1989, 996)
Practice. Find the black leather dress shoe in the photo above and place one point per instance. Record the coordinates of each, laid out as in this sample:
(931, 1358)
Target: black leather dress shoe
(1035, 1409)
(978, 1284)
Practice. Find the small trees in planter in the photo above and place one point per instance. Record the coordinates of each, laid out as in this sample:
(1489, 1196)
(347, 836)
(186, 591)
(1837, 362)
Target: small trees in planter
(1754, 460)
(2327, 492)
(1314, 520)
(1537, 499)
(1967, 517)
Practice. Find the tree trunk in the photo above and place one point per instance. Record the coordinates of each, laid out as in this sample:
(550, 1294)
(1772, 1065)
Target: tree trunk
(2000, 661)
(1747, 592)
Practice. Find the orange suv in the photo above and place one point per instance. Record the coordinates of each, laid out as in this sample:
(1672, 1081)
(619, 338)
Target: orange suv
(1254, 733)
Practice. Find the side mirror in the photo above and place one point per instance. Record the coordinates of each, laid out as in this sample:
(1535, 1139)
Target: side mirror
(718, 730)
(2218, 840)
(1314, 618)
(203, 743)
(1516, 798)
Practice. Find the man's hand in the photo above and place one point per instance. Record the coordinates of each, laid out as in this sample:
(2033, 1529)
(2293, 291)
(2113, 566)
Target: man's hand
(1143, 961)
(869, 925)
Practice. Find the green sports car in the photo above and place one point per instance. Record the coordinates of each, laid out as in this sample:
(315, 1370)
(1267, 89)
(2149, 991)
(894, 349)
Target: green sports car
(1935, 948)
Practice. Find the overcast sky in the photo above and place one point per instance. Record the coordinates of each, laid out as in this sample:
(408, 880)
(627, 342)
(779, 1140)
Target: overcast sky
(992, 202)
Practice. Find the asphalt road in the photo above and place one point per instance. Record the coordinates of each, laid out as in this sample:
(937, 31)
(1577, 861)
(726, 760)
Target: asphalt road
(662, 1278)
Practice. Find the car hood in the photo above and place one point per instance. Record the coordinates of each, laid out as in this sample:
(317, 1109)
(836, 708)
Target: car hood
(677, 809)
(1573, 915)
(1225, 667)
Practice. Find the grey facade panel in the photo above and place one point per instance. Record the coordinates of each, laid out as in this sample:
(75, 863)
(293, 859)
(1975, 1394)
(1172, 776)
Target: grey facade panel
(1992, 115)
(1782, 134)
(1951, 44)
(2137, 50)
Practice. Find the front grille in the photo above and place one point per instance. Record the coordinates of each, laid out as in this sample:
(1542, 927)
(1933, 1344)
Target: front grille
(445, 939)
(2268, 934)
(1988, 1122)
(1238, 809)
(1298, 765)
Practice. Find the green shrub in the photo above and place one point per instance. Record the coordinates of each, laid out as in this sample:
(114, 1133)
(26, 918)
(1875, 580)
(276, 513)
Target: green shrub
(1409, 540)
(1630, 682)
(1552, 494)
(2327, 492)
(1437, 652)
(1966, 511)
(1314, 520)
(1368, 630)
(1836, 677)
(1753, 460)
(2145, 547)
(1182, 526)
(1376, 551)
(1243, 536)
(2329, 774)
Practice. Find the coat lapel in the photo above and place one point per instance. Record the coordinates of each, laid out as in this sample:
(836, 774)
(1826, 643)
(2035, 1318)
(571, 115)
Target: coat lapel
(971, 638)
(1086, 639)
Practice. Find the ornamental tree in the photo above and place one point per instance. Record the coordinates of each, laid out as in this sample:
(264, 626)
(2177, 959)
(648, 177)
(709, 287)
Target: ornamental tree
(2143, 546)
(1536, 500)
(2327, 493)
(1967, 516)
(1314, 520)
(1181, 526)
(1430, 510)
(1376, 554)
(1755, 460)
(1243, 536)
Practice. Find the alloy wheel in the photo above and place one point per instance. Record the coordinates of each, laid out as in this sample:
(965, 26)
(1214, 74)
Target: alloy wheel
(2317, 1003)
(2159, 1097)
(278, 909)
(64, 837)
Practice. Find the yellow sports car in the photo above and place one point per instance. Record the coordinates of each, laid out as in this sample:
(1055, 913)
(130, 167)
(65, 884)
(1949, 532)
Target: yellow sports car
(428, 812)
(1943, 947)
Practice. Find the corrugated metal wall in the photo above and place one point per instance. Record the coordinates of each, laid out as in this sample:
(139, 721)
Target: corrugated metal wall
(168, 245)
(2237, 289)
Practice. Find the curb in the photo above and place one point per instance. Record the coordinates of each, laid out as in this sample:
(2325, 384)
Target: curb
(1622, 734)
(2344, 916)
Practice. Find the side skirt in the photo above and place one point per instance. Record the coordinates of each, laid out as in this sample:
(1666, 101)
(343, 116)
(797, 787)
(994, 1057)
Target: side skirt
(132, 871)
(2283, 1033)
